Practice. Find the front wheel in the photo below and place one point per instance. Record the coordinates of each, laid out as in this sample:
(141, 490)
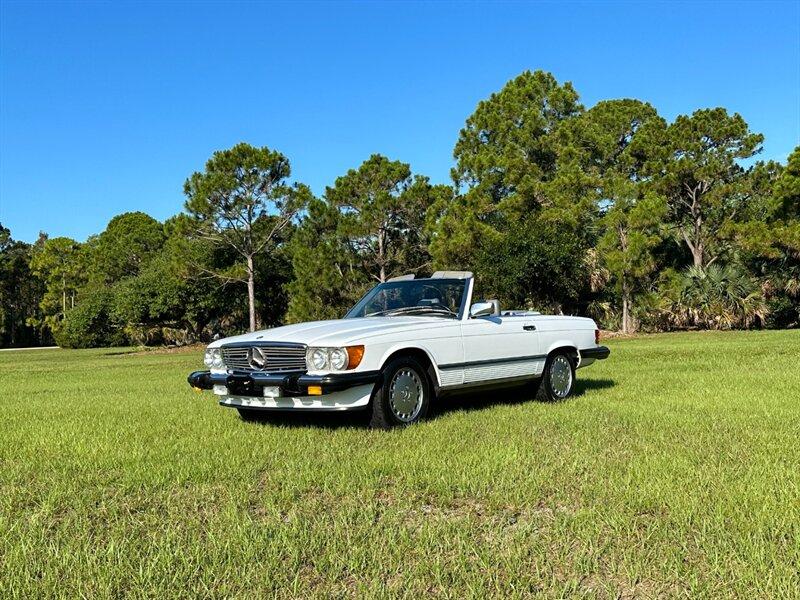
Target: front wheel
(558, 378)
(404, 395)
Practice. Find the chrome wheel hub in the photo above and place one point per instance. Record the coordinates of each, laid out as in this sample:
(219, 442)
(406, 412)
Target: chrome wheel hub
(560, 376)
(405, 395)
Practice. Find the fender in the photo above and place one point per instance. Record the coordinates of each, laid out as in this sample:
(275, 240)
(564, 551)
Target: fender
(565, 344)
(400, 346)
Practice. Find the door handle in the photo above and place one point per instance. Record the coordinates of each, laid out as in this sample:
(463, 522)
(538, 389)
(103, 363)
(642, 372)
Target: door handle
(529, 327)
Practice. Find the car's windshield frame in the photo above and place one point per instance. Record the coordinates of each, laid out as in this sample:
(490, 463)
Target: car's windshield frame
(359, 306)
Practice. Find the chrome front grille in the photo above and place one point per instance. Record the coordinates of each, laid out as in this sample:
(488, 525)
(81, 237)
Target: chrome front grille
(274, 358)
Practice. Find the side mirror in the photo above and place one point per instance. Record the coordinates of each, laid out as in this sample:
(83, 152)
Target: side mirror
(481, 309)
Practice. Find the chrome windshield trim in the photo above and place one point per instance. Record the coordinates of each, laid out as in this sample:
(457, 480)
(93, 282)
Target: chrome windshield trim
(467, 288)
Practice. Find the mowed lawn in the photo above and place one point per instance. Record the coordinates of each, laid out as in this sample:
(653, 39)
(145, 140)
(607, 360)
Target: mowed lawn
(674, 472)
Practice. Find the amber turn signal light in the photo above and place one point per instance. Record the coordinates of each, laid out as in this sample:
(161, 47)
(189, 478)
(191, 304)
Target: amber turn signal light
(315, 390)
(354, 356)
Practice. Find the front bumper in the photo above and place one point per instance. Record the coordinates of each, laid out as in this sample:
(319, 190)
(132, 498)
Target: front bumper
(252, 384)
(354, 398)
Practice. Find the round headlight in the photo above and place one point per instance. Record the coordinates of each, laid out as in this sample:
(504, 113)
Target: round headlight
(338, 359)
(216, 359)
(209, 357)
(319, 359)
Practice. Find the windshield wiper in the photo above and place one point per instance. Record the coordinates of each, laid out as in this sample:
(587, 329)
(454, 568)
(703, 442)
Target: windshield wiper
(441, 310)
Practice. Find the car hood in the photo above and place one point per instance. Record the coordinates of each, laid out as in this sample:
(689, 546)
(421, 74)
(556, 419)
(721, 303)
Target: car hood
(339, 332)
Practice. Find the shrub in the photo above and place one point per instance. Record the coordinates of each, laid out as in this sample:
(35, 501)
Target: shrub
(91, 324)
(714, 298)
(784, 312)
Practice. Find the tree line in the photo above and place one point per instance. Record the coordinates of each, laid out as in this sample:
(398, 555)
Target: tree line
(610, 211)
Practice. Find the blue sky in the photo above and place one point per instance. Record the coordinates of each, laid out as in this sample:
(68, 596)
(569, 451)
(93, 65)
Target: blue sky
(107, 107)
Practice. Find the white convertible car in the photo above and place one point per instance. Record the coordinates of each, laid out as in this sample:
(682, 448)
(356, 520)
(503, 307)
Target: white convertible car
(405, 343)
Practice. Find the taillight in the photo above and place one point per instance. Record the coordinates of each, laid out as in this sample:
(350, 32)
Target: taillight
(596, 336)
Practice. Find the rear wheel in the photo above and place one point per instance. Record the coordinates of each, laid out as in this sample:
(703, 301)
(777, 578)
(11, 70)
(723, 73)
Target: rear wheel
(404, 395)
(558, 378)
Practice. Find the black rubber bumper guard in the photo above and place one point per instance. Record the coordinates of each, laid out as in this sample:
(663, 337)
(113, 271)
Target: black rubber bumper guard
(245, 383)
(600, 353)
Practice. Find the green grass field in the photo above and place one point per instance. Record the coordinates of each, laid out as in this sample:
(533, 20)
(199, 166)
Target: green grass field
(674, 472)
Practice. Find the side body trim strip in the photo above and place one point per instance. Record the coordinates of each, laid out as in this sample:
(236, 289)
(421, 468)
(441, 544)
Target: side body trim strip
(492, 361)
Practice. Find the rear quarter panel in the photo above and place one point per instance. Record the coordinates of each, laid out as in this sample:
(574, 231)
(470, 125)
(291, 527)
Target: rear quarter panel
(557, 332)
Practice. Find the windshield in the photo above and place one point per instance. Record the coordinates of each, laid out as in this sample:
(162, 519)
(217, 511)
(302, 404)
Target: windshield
(434, 297)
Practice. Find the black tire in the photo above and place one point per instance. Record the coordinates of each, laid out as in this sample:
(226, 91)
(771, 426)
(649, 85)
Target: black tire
(252, 415)
(385, 412)
(551, 384)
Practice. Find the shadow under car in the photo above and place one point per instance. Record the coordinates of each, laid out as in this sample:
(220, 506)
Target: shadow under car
(462, 401)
